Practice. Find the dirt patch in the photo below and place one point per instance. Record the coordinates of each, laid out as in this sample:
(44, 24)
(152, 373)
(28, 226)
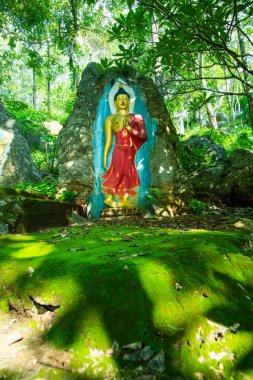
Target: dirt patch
(24, 354)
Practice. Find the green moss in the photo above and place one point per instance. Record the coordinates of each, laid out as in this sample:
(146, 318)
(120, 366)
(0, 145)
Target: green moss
(104, 298)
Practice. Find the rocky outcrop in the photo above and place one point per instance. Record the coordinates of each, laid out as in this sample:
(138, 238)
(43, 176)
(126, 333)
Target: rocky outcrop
(207, 181)
(16, 164)
(20, 213)
(214, 154)
(230, 183)
(76, 148)
(236, 185)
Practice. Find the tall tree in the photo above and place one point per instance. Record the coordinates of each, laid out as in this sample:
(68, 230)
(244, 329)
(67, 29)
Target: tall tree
(187, 30)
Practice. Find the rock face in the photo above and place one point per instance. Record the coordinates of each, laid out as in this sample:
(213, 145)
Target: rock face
(77, 166)
(236, 185)
(16, 164)
(230, 183)
(18, 213)
(214, 153)
(207, 181)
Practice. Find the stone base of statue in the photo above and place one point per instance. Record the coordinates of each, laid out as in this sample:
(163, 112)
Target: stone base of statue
(120, 211)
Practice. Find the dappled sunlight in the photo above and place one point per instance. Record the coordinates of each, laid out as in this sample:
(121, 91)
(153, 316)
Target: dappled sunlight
(154, 277)
(95, 331)
(33, 250)
(171, 298)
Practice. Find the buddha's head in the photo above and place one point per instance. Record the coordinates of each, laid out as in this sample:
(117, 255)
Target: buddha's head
(122, 100)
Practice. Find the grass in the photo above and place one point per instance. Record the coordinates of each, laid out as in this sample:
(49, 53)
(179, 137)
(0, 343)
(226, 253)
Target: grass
(105, 299)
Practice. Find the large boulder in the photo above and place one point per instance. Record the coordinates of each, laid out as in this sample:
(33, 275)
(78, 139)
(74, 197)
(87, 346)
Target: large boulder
(230, 183)
(206, 183)
(22, 212)
(203, 146)
(16, 164)
(236, 185)
(77, 164)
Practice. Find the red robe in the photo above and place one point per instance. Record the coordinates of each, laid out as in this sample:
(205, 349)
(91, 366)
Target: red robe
(122, 177)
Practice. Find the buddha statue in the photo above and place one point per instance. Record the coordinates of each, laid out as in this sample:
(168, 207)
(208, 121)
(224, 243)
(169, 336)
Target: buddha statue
(121, 181)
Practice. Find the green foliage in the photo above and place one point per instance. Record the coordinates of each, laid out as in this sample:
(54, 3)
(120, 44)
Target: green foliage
(197, 159)
(106, 63)
(39, 157)
(197, 206)
(21, 111)
(42, 142)
(155, 195)
(66, 196)
(235, 138)
(47, 189)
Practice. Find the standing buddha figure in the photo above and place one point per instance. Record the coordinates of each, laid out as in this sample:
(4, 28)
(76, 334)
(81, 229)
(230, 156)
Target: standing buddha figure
(121, 181)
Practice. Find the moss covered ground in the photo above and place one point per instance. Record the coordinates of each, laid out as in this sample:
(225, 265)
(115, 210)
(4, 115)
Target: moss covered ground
(190, 295)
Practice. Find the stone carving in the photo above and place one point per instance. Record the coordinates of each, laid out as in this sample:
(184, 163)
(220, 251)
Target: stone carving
(16, 164)
(81, 141)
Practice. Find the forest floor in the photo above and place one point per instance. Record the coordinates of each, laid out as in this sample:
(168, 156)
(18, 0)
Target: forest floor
(144, 299)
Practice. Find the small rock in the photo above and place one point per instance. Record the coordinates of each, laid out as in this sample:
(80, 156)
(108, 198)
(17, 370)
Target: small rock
(178, 286)
(199, 337)
(77, 249)
(158, 362)
(134, 255)
(146, 353)
(14, 338)
(234, 327)
(115, 350)
(133, 346)
(76, 220)
(128, 238)
(56, 235)
(202, 359)
(218, 356)
(133, 357)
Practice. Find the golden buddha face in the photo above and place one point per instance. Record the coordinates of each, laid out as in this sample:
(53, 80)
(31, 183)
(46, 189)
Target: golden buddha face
(122, 102)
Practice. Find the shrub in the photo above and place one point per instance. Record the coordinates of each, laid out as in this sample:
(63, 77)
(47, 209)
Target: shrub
(155, 195)
(47, 189)
(197, 207)
(197, 159)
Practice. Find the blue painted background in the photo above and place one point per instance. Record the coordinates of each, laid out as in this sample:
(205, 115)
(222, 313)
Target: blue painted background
(96, 201)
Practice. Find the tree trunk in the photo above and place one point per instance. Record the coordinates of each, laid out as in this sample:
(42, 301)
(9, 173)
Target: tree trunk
(73, 47)
(181, 126)
(209, 108)
(230, 100)
(34, 89)
(49, 95)
(158, 71)
(48, 76)
(246, 76)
